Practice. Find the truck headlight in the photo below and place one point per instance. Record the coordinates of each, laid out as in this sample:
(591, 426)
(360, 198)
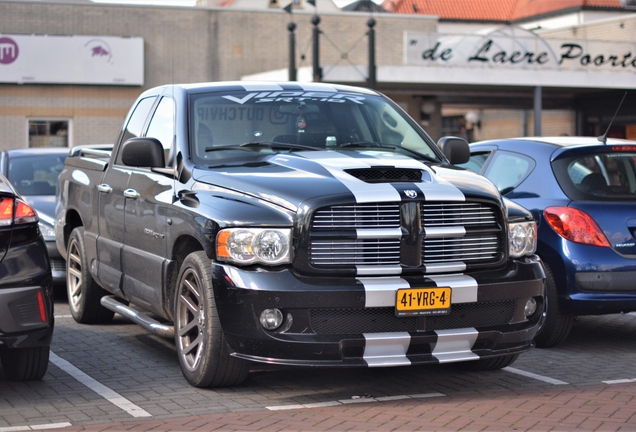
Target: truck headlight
(254, 245)
(522, 238)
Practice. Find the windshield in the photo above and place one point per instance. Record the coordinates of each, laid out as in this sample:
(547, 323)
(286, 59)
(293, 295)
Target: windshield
(268, 122)
(35, 174)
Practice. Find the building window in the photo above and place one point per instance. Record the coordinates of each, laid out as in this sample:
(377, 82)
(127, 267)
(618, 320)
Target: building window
(49, 133)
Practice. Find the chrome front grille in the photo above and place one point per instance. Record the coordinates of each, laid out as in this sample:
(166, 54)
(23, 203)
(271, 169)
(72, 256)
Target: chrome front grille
(355, 252)
(468, 248)
(464, 214)
(439, 236)
(357, 216)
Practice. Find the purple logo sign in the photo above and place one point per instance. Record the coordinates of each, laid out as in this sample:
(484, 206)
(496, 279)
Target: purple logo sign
(99, 50)
(8, 50)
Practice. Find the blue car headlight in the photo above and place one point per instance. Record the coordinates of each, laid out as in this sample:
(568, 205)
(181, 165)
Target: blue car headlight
(522, 238)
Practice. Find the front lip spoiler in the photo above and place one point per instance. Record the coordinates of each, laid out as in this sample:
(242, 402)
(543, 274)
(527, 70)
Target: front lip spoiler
(360, 362)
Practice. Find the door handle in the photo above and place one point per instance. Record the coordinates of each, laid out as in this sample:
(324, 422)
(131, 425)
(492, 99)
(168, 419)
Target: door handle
(104, 188)
(131, 193)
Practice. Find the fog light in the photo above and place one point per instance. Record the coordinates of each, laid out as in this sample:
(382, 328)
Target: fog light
(531, 307)
(271, 319)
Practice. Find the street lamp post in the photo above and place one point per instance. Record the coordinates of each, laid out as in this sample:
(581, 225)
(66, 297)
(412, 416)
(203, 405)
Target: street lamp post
(371, 33)
(292, 51)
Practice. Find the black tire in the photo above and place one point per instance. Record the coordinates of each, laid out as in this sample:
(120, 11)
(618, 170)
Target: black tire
(556, 326)
(493, 363)
(203, 352)
(25, 364)
(83, 293)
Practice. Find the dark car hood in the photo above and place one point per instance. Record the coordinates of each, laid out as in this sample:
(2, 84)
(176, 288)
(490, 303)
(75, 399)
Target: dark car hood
(291, 179)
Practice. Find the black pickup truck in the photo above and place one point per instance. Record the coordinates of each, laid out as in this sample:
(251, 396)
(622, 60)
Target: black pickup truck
(296, 224)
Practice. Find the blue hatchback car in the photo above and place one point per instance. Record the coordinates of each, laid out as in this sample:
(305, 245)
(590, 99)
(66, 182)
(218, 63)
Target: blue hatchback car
(582, 193)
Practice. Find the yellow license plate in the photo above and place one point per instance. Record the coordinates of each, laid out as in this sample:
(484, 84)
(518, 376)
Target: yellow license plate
(422, 301)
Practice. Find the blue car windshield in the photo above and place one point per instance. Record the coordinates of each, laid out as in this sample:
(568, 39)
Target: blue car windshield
(234, 124)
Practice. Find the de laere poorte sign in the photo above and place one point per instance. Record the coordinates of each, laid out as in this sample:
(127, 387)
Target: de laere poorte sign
(513, 47)
(71, 59)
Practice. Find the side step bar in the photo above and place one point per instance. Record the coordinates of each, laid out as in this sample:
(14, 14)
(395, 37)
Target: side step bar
(153, 326)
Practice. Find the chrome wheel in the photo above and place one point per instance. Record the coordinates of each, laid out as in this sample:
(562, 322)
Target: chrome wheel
(204, 355)
(74, 277)
(190, 320)
(84, 294)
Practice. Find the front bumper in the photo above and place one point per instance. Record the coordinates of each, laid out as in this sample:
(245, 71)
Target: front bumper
(344, 322)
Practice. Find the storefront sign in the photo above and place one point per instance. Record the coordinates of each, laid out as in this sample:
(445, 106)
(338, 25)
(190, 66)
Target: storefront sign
(516, 48)
(71, 59)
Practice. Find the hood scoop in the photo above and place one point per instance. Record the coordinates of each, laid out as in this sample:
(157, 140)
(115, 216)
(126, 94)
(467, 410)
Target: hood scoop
(386, 175)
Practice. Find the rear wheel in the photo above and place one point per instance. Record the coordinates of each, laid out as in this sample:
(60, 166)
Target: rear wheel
(204, 354)
(84, 294)
(489, 364)
(25, 364)
(556, 325)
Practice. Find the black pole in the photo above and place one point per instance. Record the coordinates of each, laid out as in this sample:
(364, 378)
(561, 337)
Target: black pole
(537, 111)
(292, 51)
(371, 33)
(315, 20)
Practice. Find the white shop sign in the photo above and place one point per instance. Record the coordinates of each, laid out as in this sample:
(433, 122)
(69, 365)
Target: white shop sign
(514, 48)
(71, 59)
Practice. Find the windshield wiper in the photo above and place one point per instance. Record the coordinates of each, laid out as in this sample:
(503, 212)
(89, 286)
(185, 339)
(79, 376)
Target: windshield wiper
(274, 144)
(257, 144)
(211, 149)
(389, 146)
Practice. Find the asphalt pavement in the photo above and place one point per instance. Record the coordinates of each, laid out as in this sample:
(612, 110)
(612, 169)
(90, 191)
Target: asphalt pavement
(119, 377)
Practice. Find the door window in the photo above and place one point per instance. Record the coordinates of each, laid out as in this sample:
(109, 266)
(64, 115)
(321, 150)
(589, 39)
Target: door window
(162, 126)
(136, 122)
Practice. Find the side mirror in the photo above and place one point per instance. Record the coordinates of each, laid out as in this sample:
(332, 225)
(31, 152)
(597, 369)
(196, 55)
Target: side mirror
(455, 149)
(143, 152)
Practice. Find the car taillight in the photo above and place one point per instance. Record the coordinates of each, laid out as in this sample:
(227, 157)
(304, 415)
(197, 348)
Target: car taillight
(575, 225)
(16, 211)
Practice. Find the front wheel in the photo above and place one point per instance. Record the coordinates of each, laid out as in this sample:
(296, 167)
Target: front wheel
(556, 325)
(84, 295)
(25, 364)
(204, 354)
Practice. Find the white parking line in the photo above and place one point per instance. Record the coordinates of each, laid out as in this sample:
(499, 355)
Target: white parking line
(35, 427)
(356, 400)
(105, 392)
(620, 381)
(535, 376)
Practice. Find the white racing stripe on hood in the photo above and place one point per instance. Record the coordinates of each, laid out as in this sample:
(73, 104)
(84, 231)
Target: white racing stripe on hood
(386, 349)
(455, 345)
(336, 163)
(463, 287)
(380, 291)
